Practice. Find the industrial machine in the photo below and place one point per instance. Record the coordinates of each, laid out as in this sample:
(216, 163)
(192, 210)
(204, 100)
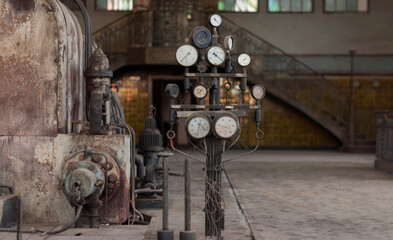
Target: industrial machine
(62, 143)
(215, 127)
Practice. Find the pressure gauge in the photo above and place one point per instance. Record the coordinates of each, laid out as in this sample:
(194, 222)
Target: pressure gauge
(215, 55)
(244, 59)
(226, 126)
(258, 92)
(198, 126)
(186, 55)
(229, 43)
(200, 91)
(215, 20)
(172, 90)
(201, 37)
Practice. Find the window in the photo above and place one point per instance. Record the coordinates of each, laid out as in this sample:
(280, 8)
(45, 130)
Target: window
(114, 5)
(72, 5)
(346, 5)
(238, 5)
(290, 5)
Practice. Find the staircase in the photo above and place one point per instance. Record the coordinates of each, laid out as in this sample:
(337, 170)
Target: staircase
(284, 76)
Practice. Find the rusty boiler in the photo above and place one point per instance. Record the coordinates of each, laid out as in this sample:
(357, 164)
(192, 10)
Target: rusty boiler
(58, 149)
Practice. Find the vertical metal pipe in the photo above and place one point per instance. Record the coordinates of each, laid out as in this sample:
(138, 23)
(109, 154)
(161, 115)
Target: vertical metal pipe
(351, 102)
(19, 226)
(94, 217)
(165, 194)
(187, 196)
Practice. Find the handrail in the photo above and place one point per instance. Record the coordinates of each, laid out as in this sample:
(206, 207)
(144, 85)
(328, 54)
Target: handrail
(270, 44)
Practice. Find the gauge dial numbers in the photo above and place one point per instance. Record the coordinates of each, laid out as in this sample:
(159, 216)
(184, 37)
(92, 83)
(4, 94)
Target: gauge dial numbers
(198, 126)
(200, 91)
(215, 55)
(226, 126)
(186, 55)
(244, 60)
(215, 20)
(229, 43)
(258, 92)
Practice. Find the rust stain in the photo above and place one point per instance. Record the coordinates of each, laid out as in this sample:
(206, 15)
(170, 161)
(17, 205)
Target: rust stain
(23, 5)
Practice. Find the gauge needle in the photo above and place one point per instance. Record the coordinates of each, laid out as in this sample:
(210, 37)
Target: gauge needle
(185, 56)
(222, 126)
(200, 91)
(217, 56)
(216, 20)
(244, 59)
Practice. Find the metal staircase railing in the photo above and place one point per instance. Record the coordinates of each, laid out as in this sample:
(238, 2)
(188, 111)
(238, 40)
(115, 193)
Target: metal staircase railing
(291, 80)
(283, 75)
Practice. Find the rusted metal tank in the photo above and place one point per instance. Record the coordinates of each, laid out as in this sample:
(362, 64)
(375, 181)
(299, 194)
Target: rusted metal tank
(42, 97)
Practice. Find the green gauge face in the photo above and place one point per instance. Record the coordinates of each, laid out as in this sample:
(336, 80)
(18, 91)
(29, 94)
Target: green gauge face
(200, 91)
(215, 55)
(201, 37)
(186, 55)
(198, 126)
(226, 126)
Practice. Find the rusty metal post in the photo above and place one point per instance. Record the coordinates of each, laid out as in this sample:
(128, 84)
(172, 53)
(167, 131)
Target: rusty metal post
(187, 234)
(165, 233)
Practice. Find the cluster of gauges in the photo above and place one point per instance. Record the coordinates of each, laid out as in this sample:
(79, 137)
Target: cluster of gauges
(225, 126)
(187, 55)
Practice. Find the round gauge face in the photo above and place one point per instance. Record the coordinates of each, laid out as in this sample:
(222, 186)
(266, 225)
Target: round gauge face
(186, 55)
(201, 37)
(215, 20)
(198, 127)
(258, 92)
(215, 55)
(172, 90)
(226, 127)
(229, 43)
(200, 91)
(244, 59)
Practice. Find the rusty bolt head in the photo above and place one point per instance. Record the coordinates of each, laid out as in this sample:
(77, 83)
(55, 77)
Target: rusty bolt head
(112, 178)
(96, 158)
(91, 167)
(111, 185)
(99, 183)
(73, 166)
(81, 157)
(110, 166)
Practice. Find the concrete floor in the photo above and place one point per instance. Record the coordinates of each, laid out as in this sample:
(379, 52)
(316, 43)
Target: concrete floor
(284, 195)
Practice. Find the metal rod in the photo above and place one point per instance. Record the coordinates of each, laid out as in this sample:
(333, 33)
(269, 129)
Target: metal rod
(351, 102)
(88, 35)
(19, 226)
(165, 203)
(94, 217)
(187, 196)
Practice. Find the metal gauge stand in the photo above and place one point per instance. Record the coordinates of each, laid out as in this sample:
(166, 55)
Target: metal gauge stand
(217, 123)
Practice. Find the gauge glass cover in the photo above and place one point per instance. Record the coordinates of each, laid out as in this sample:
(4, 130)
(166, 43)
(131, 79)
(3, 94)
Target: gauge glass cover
(186, 55)
(258, 92)
(244, 59)
(216, 55)
(200, 91)
(226, 127)
(201, 37)
(229, 43)
(198, 127)
(215, 20)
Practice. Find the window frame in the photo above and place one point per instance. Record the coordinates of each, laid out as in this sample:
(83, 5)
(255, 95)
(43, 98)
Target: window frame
(291, 12)
(346, 11)
(226, 11)
(115, 11)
